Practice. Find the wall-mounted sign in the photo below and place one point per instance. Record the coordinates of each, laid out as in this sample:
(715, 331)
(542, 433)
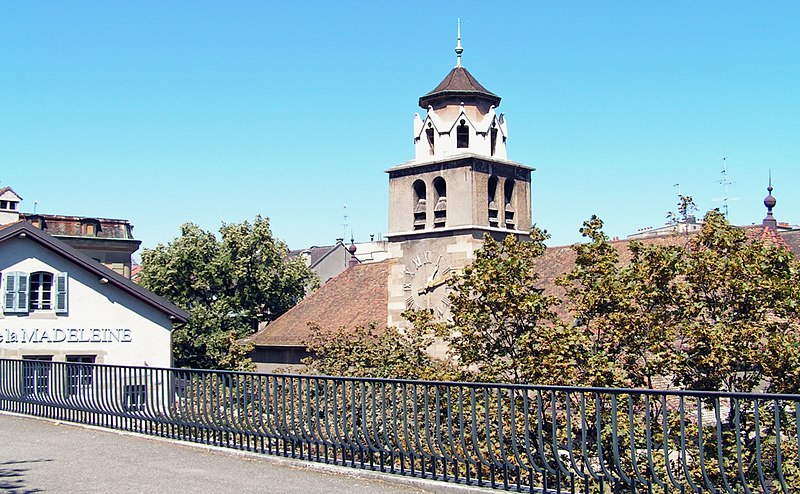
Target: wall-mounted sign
(71, 335)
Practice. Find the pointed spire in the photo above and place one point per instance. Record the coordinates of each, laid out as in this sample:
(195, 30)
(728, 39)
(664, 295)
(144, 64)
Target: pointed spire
(769, 202)
(459, 49)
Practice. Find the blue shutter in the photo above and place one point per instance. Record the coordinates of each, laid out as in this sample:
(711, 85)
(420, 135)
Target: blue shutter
(10, 292)
(22, 292)
(61, 293)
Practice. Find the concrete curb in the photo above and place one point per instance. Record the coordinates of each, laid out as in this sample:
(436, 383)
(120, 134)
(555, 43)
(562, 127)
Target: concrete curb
(427, 485)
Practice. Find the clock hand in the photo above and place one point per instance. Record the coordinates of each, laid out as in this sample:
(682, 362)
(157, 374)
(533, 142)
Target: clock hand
(433, 273)
(432, 285)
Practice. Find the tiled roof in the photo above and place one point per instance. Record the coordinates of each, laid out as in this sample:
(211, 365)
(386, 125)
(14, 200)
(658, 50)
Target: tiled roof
(359, 295)
(557, 261)
(792, 239)
(315, 253)
(71, 226)
(356, 297)
(459, 82)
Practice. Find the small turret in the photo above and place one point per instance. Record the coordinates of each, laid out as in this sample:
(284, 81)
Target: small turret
(461, 117)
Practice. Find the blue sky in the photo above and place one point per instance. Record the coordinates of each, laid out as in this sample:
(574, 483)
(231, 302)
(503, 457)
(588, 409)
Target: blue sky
(170, 112)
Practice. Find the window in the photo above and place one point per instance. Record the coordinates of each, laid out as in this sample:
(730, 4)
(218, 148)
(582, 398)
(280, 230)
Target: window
(494, 138)
(40, 291)
(80, 373)
(36, 375)
(420, 205)
(431, 142)
(440, 209)
(89, 227)
(491, 196)
(509, 197)
(462, 135)
(135, 397)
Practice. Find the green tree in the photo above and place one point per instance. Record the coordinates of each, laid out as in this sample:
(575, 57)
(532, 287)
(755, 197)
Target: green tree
(228, 286)
(623, 308)
(366, 351)
(739, 327)
(502, 321)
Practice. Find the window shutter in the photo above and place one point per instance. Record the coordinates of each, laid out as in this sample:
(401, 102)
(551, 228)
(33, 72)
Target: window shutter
(22, 292)
(10, 292)
(61, 293)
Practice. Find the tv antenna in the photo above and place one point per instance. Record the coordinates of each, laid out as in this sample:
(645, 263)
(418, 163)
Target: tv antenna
(725, 182)
(344, 221)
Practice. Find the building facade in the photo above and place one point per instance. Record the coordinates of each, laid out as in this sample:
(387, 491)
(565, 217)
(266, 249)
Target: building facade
(459, 188)
(60, 305)
(108, 241)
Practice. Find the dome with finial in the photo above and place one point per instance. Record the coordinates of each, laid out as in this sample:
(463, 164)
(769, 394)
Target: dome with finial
(352, 247)
(769, 201)
(459, 86)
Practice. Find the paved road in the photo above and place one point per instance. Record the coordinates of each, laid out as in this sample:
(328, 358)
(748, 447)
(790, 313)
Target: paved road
(45, 456)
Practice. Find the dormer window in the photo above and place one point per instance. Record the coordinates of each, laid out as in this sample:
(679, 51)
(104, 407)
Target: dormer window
(508, 193)
(494, 210)
(440, 209)
(90, 227)
(8, 205)
(431, 144)
(420, 205)
(462, 135)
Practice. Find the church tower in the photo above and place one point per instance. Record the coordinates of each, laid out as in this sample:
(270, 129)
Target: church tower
(459, 187)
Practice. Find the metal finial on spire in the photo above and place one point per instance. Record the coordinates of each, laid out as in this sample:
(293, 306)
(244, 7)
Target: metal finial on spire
(459, 49)
(769, 201)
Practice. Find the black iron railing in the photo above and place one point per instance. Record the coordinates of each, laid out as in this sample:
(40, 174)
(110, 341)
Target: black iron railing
(532, 438)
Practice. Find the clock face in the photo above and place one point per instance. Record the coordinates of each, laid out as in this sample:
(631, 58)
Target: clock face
(425, 284)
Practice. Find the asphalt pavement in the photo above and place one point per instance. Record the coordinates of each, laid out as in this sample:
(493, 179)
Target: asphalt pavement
(38, 455)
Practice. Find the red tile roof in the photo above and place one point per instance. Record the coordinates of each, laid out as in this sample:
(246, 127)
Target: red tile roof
(356, 297)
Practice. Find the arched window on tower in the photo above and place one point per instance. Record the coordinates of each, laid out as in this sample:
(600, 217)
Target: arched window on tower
(508, 193)
(440, 209)
(494, 138)
(462, 135)
(431, 143)
(494, 220)
(420, 205)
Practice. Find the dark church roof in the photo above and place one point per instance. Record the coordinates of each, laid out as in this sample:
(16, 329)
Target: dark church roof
(459, 82)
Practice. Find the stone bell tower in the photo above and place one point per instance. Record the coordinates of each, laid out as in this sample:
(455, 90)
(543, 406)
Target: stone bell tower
(459, 187)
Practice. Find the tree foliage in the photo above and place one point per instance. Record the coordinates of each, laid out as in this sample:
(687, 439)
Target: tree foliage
(228, 286)
(366, 351)
(716, 310)
(502, 321)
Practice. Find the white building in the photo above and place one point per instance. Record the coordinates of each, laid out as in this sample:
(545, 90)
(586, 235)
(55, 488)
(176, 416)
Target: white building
(60, 305)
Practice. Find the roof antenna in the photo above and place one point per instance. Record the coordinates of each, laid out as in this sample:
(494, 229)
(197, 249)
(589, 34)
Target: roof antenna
(725, 183)
(344, 221)
(459, 49)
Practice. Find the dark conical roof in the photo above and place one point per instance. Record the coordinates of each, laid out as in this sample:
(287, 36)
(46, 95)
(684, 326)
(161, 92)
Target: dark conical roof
(459, 82)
